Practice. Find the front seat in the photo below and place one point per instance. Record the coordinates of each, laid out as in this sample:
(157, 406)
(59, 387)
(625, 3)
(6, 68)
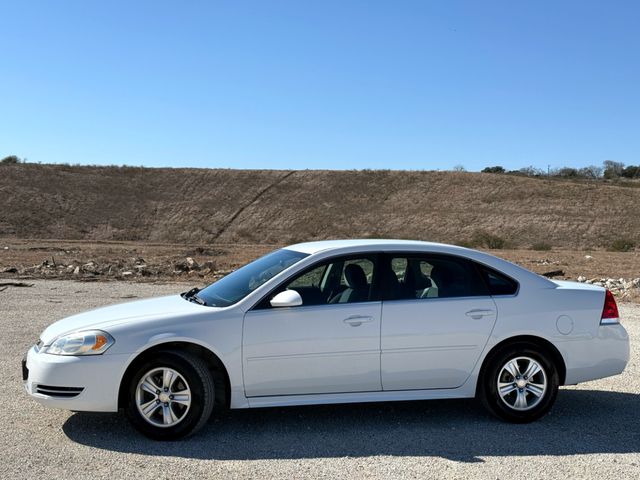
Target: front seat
(418, 282)
(357, 287)
(438, 284)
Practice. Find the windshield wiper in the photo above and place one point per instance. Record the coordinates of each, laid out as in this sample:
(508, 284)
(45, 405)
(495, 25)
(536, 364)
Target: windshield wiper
(190, 293)
(192, 296)
(196, 299)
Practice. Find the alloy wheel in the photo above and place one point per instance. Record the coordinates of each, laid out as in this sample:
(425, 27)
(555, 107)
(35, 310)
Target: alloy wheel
(522, 383)
(163, 397)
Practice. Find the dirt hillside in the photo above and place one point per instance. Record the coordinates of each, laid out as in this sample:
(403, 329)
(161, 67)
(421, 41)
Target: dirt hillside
(276, 207)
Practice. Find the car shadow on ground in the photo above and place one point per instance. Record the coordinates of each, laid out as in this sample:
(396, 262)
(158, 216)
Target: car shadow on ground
(581, 422)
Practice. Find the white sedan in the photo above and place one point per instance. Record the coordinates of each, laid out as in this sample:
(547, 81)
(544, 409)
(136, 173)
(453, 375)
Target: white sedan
(334, 322)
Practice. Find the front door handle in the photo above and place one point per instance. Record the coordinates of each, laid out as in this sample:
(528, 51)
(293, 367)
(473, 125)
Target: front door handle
(357, 320)
(479, 313)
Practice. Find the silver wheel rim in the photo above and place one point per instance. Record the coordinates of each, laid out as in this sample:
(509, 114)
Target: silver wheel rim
(522, 383)
(163, 397)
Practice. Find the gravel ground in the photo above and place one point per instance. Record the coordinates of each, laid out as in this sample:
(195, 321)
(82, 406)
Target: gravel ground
(593, 430)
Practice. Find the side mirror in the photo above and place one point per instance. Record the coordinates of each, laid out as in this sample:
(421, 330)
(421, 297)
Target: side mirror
(288, 298)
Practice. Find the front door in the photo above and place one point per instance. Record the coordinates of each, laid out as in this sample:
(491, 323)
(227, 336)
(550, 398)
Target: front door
(329, 344)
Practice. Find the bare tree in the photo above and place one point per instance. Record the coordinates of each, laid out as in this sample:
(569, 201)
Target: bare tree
(531, 171)
(612, 169)
(592, 171)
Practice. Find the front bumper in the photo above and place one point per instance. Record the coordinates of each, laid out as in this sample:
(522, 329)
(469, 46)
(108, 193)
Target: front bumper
(88, 384)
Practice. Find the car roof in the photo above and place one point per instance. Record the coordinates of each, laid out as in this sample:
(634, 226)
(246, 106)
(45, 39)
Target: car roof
(324, 245)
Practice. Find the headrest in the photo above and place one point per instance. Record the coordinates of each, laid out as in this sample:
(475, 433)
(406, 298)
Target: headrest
(355, 276)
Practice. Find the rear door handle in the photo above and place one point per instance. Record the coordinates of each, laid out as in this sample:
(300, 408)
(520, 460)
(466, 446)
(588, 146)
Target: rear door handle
(479, 313)
(357, 320)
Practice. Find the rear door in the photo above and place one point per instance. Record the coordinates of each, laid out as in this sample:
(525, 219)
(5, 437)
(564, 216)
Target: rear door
(437, 316)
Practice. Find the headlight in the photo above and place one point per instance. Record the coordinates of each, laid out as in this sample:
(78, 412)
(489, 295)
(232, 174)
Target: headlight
(90, 342)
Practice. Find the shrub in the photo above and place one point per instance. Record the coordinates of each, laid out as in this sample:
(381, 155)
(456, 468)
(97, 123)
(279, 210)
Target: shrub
(485, 239)
(567, 172)
(496, 169)
(541, 247)
(11, 159)
(464, 243)
(622, 245)
(493, 241)
(632, 171)
(592, 172)
(531, 172)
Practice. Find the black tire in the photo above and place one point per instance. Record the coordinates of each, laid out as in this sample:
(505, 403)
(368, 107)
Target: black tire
(507, 408)
(202, 395)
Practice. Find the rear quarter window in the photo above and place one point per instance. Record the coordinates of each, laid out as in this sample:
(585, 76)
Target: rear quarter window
(498, 283)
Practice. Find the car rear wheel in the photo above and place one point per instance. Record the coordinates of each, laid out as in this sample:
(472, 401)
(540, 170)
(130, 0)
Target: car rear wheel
(519, 383)
(170, 396)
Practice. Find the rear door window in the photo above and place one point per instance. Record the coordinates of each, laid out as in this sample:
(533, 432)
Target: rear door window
(425, 276)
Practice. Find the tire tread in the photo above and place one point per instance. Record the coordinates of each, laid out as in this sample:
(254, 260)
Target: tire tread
(207, 381)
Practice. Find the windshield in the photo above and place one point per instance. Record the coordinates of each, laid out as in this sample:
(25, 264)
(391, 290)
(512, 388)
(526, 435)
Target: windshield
(237, 285)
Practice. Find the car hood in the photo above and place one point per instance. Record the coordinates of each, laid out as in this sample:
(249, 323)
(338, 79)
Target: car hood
(140, 310)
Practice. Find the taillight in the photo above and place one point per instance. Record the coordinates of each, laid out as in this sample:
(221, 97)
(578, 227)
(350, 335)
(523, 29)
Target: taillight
(610, 311)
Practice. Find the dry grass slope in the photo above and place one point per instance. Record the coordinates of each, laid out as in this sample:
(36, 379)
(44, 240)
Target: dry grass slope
(275, 207)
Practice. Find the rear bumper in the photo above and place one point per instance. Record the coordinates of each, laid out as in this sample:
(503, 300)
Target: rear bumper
(605, 355)
(74, 383)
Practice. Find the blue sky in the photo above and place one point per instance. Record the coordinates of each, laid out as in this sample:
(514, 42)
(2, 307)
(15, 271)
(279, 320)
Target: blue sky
(321, 84)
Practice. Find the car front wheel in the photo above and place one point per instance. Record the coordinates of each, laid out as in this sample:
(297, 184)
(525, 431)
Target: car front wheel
(170, 396)
(520, 384)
